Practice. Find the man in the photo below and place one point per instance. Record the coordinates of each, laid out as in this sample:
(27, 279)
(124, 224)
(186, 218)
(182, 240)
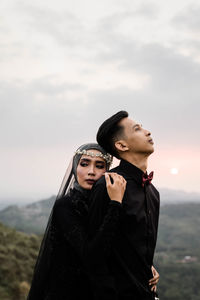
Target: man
(126, 271)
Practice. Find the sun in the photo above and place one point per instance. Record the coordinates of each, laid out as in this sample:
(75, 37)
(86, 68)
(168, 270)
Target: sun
(174, 171)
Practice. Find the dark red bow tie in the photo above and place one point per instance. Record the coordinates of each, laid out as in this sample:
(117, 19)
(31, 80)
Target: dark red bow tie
(147, 178)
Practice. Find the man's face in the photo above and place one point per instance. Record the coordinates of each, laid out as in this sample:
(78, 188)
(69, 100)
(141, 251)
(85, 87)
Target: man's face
(138, 139)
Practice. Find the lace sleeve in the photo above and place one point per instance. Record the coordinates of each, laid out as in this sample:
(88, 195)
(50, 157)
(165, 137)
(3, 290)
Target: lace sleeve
(71, 216)
(71, 226)
(104, 216)
(104, 238)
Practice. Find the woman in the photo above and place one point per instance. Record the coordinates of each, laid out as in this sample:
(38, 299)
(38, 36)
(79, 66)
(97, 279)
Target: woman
(60, 272)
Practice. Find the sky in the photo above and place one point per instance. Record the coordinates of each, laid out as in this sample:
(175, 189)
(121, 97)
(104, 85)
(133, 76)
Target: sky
(66, 66)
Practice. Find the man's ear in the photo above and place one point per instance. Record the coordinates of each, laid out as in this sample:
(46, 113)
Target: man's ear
(121, 146)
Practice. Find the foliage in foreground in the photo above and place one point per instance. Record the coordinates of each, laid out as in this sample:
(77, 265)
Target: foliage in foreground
(18, 252)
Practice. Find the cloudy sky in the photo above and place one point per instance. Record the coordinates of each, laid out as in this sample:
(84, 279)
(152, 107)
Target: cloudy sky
(65, 66)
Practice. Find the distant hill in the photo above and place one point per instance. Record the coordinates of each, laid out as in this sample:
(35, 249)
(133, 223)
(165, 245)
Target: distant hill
(32, 218)
(169, 196)
(179, 229)
(7, 201)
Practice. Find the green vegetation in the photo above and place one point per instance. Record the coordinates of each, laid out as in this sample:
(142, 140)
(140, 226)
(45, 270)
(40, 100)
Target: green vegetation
(177, 255)
(18, 252)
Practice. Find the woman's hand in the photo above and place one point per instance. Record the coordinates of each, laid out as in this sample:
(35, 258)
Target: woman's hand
(153, 281)
(116, 187)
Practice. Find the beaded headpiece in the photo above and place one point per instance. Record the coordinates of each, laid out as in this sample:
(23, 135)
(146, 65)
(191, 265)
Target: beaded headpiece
(108, 158)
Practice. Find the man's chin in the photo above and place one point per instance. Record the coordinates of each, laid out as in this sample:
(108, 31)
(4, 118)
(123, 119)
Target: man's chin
(150, 151)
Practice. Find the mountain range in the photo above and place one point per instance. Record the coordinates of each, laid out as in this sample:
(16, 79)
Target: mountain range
(32, 218)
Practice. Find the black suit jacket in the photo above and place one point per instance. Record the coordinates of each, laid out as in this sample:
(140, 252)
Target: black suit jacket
(123, 272)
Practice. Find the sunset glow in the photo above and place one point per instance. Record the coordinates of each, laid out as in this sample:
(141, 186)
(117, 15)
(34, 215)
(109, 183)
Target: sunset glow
(174, 171)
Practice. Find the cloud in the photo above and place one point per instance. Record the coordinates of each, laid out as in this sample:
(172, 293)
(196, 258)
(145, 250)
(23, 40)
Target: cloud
(39, 113)
(170, 100)
(62, 26)
(186, 24)
(188, 19)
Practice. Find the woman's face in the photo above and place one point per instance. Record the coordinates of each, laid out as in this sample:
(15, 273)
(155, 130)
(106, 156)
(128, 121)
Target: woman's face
(90, 169)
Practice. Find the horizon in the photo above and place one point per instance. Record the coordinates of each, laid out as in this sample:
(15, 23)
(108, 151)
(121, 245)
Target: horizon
(163, 191)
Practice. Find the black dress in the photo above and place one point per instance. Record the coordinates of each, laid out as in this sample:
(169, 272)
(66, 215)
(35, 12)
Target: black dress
(67, 276)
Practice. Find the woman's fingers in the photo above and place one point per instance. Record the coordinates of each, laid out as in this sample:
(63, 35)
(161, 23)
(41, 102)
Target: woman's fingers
(117, 178)
(153, 281)
(154, 288)
(155, 277)
(116, 185)
(107, 178)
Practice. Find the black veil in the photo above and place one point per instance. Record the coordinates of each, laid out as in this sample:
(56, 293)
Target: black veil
(42, 269)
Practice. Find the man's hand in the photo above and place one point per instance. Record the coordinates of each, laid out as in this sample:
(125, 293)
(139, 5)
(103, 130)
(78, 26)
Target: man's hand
(153, 281)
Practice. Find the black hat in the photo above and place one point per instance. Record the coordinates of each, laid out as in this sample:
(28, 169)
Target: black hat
(109, 130)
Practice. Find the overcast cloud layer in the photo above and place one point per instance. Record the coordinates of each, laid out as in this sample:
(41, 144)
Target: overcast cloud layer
(66, 66)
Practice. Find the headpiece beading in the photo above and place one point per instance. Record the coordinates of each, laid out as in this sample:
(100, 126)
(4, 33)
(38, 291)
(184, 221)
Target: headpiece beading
(107, 157)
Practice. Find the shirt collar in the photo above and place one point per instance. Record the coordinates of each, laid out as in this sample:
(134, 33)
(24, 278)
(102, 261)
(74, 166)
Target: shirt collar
(131, 170)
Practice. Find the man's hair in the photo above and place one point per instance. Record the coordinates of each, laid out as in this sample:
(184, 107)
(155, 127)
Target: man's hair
(110, 131)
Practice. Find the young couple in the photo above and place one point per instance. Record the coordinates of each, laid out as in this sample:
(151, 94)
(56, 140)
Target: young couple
(101, 235)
